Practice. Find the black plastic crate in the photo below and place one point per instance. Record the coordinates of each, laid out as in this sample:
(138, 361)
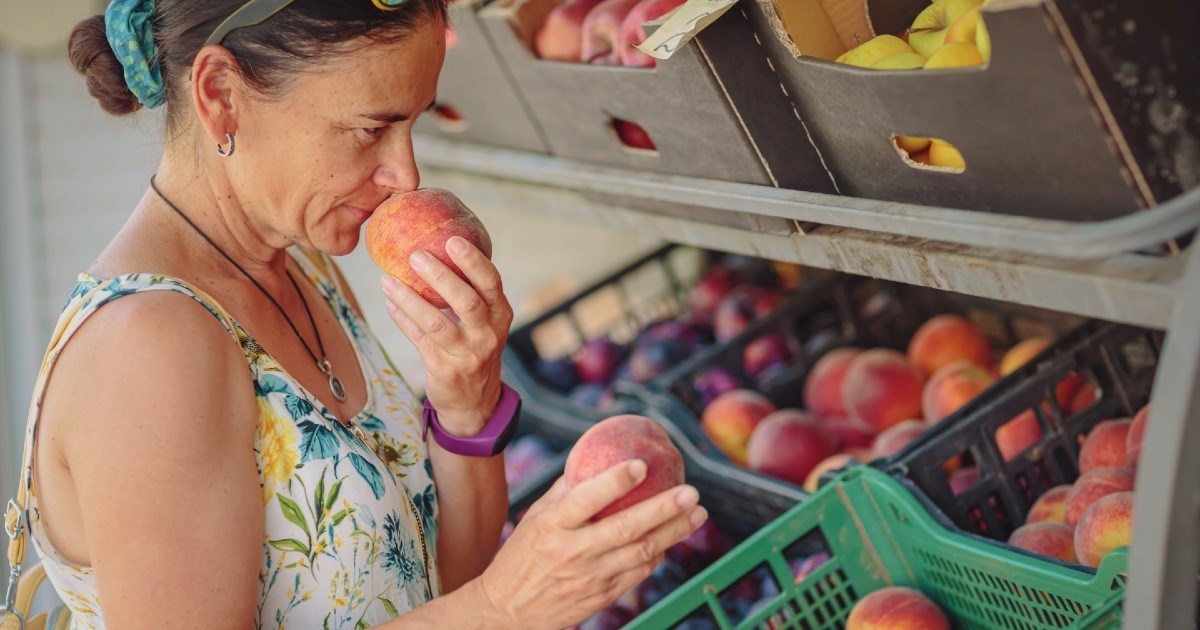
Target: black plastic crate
(835, 312)
(652, 288)
(1120, 360)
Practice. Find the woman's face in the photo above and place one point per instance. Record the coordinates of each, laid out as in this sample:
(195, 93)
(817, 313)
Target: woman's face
(311, 165)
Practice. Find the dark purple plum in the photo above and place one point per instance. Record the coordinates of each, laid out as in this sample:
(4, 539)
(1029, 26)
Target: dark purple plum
(656, 357)
(557, 373)
(598, 360)
(713, 383)
(588, 395)
(525, 455)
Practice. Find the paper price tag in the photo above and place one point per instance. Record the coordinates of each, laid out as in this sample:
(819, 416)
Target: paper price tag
(684, 23)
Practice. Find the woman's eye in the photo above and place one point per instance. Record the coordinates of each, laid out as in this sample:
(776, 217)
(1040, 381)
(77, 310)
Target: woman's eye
(372, 132)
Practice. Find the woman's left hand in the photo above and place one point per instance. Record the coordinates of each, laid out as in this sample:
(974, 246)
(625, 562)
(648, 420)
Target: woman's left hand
(462, 358)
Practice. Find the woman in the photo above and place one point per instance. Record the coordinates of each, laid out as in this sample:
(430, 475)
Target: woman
(223, 442)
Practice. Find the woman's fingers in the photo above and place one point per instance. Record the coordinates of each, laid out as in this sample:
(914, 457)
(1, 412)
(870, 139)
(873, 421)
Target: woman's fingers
(636, 521)
(654, 544)
(430, 321)
(480, 271)
(581, 503)
(462, 298)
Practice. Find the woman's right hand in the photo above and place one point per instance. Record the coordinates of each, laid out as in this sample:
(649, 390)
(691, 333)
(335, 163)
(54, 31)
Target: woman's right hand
(558, 568)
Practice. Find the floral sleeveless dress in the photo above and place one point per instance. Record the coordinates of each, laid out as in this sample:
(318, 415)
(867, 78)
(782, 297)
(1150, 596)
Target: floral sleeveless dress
(351, 523)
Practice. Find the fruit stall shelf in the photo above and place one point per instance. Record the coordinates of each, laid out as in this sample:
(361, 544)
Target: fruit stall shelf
(1091, 270)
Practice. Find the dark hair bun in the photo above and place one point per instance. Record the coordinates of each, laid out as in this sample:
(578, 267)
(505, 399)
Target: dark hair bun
(92, 57)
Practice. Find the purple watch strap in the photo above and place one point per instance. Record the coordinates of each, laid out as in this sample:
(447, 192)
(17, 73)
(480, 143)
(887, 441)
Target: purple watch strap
(488, 442)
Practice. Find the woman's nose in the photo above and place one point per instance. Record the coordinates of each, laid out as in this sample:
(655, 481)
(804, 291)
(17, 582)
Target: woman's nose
(397, 170)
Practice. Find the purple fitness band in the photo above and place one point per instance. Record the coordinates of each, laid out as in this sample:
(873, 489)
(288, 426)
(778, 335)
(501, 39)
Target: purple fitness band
(488, 442)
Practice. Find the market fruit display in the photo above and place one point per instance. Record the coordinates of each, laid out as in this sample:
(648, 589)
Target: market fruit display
(731, 292)
(422, 220)
(870, 402)
(623, 438)
(1095, 513)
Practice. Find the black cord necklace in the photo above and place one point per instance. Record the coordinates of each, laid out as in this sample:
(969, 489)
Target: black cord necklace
(335, 384)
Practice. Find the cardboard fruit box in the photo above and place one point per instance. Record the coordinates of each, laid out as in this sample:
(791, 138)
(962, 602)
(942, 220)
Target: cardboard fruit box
(714, 110)
(476, 100)
(1034, 131)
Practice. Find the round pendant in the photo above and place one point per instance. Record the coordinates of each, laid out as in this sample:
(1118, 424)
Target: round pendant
(335, 386)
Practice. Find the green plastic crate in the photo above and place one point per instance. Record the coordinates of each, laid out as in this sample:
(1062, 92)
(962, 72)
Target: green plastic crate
(878, 534)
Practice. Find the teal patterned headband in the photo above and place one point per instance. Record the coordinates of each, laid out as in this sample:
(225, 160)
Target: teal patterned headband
(127, 27)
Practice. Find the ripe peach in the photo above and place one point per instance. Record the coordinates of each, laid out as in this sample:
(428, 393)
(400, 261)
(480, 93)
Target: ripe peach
(1105, 446)
(1067, 388)
(896, 608)
(730, 419)
(952, 387)
(1047, 538)
(833, 462)
(1018, 434)
(634, 33)
(1091, 486)
(891, 441)
(847, 433)
(1021, 353)
(881, 389)
(560, 37)
(823, 386)
(602, 30)
(422, 220)
(946, 339)
(1105, 526)
(1133, 440)
(1051, 506)
(787, 444)
(621, 438)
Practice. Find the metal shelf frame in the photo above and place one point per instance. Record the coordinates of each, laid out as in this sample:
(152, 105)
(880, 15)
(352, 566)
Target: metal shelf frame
(1083, 269)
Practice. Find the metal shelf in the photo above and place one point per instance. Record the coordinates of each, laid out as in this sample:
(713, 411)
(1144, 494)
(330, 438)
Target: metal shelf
(767, 222)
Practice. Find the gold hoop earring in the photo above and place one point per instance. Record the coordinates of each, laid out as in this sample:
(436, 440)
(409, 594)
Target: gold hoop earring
(226, 153)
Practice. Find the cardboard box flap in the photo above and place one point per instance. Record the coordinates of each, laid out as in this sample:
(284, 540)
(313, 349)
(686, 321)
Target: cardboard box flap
(819, 28)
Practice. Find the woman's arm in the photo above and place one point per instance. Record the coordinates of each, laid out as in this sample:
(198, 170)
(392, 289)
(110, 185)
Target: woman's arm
(158, 431)
(462, 363)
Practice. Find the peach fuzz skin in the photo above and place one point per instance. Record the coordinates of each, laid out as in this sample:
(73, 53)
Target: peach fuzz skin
(896, 608)
(730, 419)
(623, 438)
(422, 220)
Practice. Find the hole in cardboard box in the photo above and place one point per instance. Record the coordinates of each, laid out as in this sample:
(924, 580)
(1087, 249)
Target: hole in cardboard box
(929, 154)
(632, 136)
(1019, 434)
(448, 119)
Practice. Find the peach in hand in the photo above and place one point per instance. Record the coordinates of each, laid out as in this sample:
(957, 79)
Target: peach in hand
(730, 419)
(422, 220)
(896, 608)
(622, 438)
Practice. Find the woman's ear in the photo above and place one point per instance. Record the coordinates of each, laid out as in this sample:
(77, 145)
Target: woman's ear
(216, 83)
